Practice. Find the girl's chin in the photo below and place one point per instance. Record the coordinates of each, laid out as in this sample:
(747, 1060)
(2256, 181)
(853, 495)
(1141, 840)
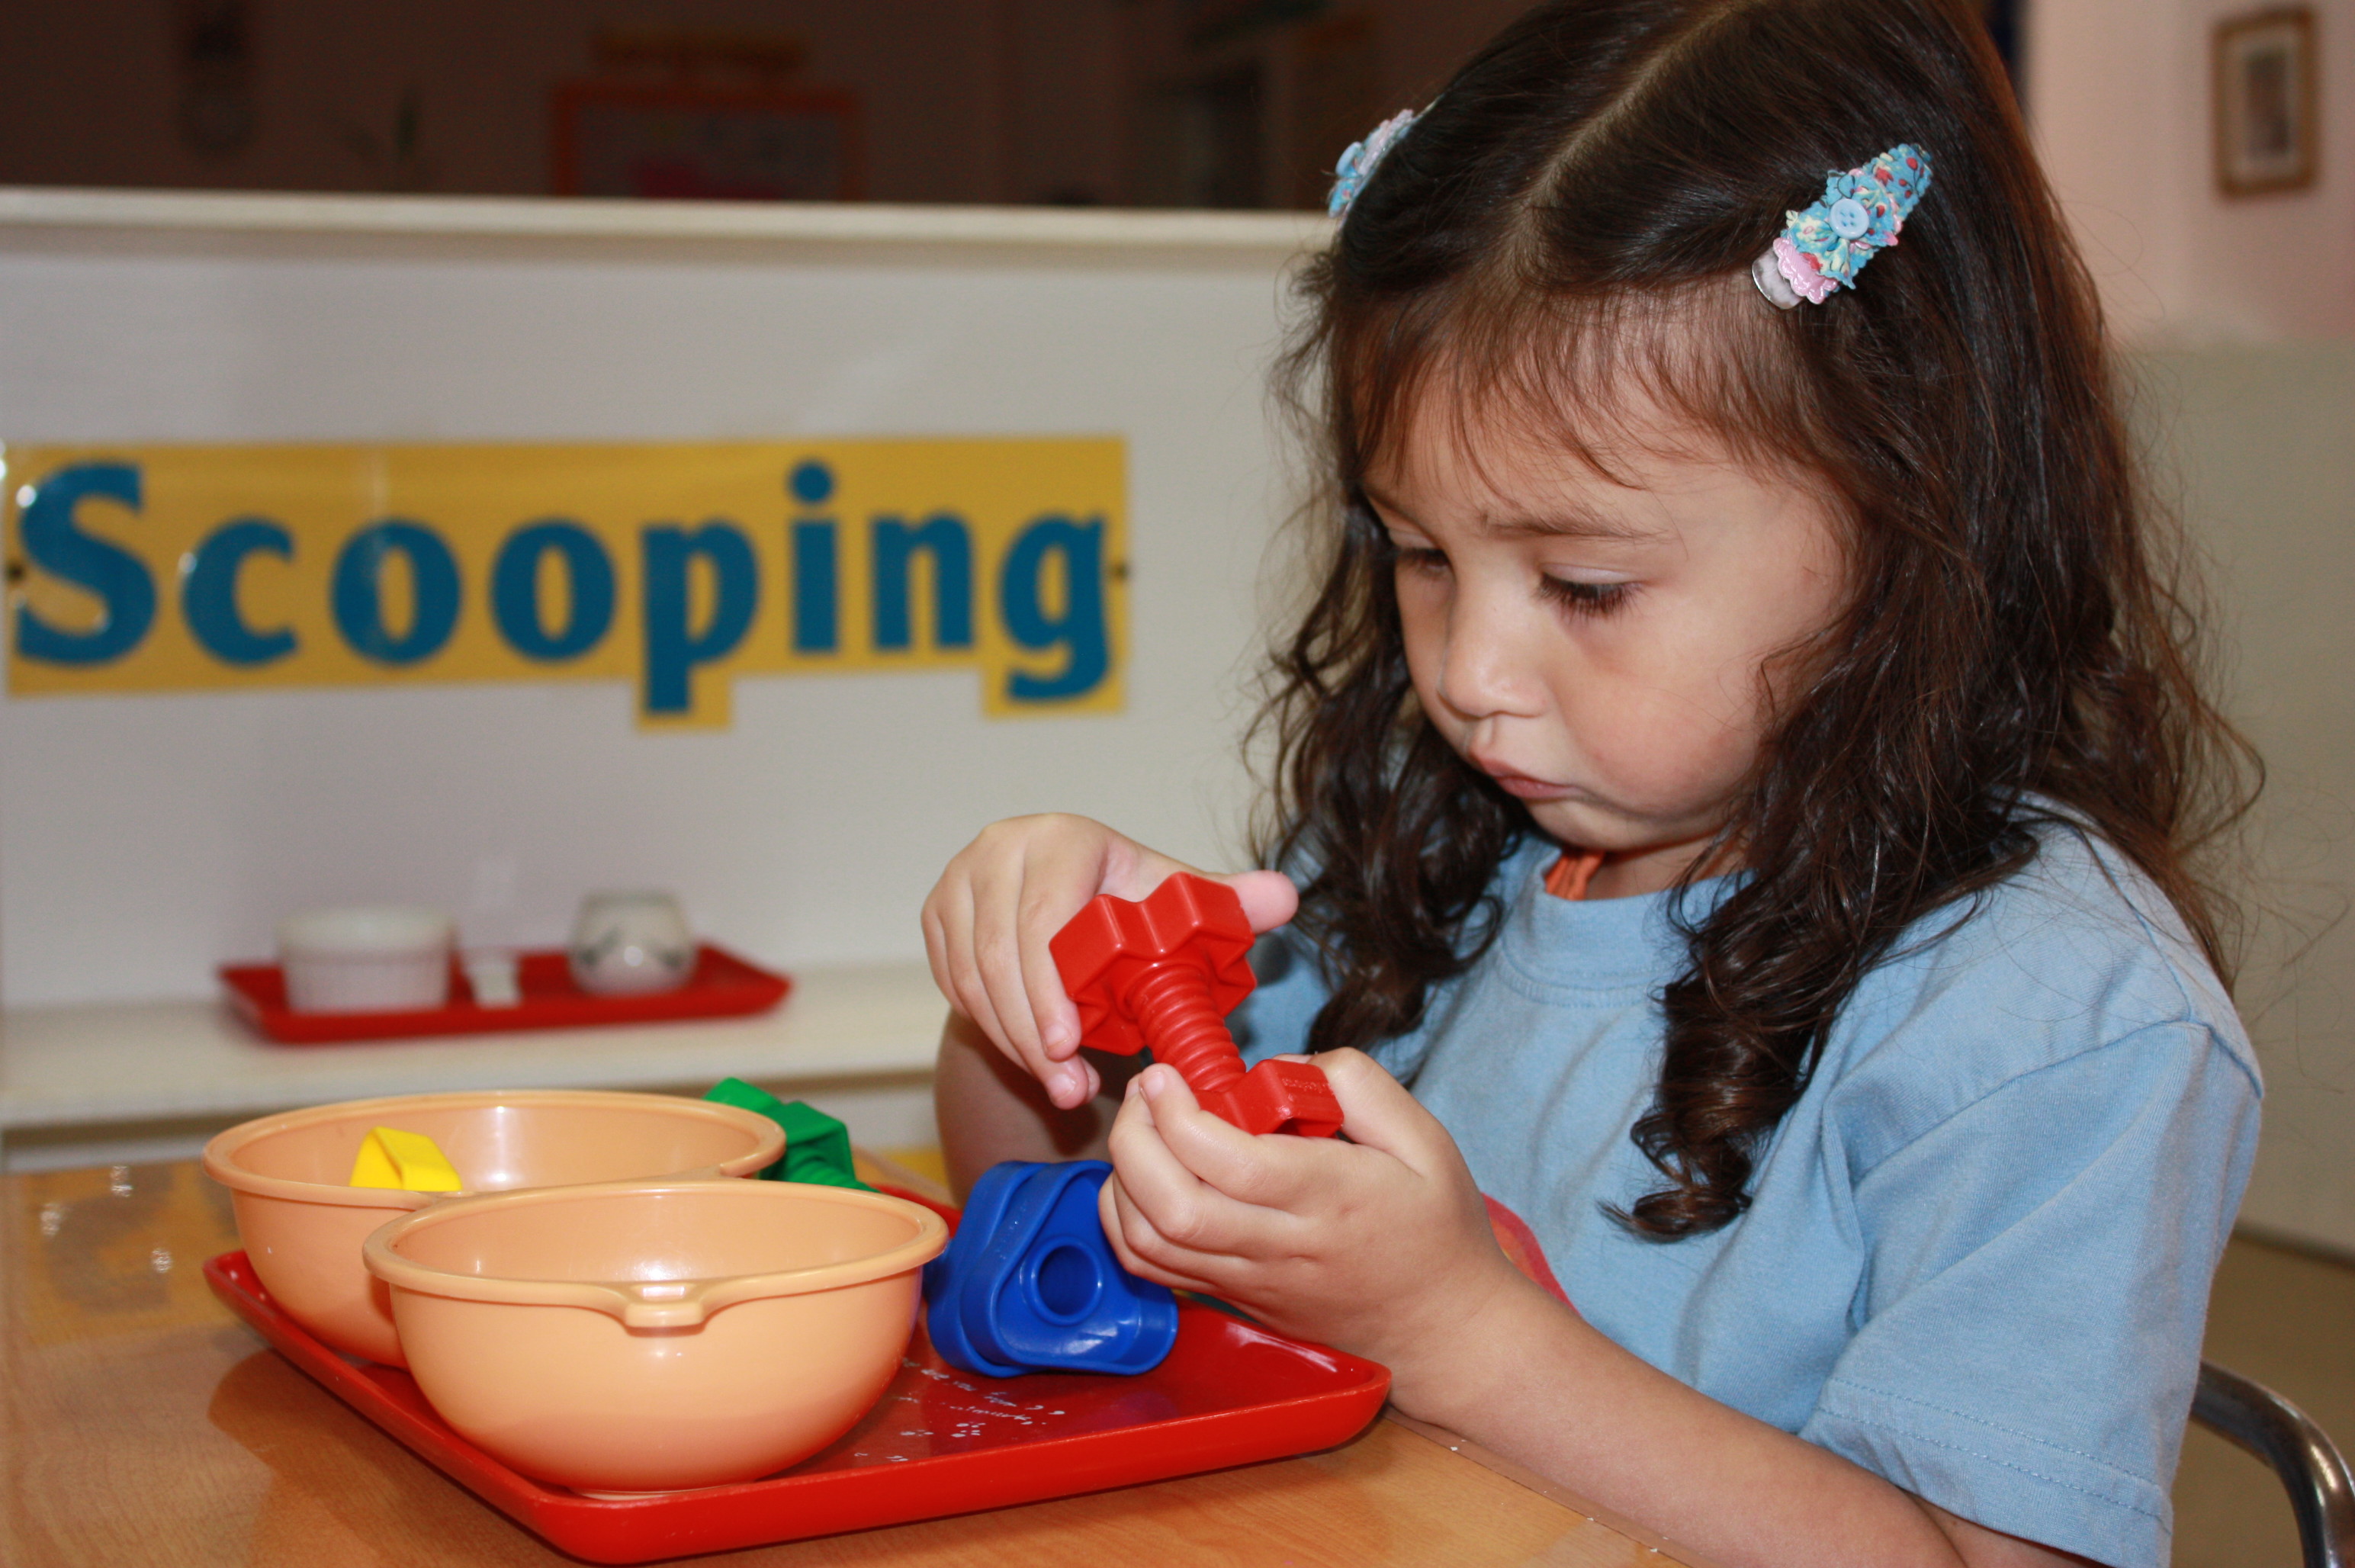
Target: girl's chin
(1578, 825)
(1587, 824)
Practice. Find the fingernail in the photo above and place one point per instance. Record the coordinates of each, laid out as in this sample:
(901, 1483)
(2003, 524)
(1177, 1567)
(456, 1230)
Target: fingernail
(1058, 1035)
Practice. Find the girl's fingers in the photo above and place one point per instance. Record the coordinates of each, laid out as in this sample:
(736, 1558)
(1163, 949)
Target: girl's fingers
(1035, 873)
(1379, 1113)
(970, 962)
(955, 970)
(1181, 1207)
(1143, 1248)
(1060, 873)
(948, 924)
(936, 944)
(997, 962)
(1057, 883)
(1263, 1173)
(999, 944)
(1143, 1251)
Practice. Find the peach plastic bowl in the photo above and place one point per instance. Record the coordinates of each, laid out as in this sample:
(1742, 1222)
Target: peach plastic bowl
(639, 1336)
(303, 1227)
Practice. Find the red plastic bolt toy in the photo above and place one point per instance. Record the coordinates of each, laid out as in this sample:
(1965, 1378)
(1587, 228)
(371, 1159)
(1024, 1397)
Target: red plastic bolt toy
(1165, 971)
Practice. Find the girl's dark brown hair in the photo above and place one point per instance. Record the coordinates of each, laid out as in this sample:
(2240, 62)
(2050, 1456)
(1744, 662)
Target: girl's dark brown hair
(1571, 226)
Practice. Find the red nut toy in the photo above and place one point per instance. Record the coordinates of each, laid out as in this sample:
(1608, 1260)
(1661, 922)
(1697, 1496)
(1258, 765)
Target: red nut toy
(1165, 972)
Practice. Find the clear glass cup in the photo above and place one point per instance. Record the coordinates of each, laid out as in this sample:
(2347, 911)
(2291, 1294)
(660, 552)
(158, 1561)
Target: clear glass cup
(631, 944)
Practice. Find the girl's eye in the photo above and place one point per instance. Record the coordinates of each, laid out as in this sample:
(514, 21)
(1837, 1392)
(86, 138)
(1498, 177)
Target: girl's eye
(1585, 598)
(1421, 557)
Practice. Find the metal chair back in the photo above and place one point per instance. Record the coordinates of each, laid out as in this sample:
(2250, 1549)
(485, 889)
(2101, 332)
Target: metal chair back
(2321, 1493)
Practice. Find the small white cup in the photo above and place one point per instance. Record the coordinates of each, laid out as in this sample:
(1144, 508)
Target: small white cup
(366, 959)
(631, 944)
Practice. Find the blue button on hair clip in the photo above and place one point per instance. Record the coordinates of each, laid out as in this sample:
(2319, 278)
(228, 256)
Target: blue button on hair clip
(1825, 246)
(1358, 162)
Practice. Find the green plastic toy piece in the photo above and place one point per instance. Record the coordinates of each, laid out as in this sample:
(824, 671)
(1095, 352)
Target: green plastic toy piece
(817, 1147)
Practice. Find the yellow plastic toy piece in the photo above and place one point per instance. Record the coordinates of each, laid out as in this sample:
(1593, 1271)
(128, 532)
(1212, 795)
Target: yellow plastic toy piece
(412, 1161)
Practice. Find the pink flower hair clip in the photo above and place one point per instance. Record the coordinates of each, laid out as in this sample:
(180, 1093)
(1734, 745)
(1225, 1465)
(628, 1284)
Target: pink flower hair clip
(1825, 246)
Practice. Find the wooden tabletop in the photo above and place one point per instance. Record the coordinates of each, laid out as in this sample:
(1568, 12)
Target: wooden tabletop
(144, 1424)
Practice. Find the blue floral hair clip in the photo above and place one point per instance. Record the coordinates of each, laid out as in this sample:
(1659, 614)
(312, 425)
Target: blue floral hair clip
(1358, 162)
(1825, 246)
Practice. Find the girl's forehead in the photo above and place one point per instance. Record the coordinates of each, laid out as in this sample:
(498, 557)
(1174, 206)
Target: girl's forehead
(1488, 455)
(1597, 391)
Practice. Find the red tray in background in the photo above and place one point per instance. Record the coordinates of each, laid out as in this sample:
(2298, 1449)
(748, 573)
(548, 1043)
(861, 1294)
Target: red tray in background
(723, 986)
(939, 1441)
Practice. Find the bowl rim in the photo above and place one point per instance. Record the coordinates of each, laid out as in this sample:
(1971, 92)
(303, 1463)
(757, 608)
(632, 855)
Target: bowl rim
(219, 1159)
(653, 1304)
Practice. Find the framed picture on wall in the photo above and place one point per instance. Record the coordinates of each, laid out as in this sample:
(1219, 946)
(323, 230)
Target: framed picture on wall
(688, 140)
(2266, 100)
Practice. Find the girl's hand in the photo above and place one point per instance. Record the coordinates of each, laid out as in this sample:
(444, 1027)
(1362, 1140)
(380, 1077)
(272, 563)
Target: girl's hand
(988, 920)
(1380, 1245)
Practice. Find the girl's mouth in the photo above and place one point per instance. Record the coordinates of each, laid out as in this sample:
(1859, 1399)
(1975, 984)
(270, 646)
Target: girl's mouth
(1522, 785)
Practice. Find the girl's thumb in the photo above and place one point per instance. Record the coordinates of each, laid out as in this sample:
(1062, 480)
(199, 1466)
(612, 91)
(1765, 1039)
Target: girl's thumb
(1269, 898)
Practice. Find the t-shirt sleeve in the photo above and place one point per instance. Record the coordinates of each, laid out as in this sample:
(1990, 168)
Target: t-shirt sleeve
(2037, 1267)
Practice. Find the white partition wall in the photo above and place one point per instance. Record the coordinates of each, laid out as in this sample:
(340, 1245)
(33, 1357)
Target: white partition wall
(145, 838)
(2254, 448)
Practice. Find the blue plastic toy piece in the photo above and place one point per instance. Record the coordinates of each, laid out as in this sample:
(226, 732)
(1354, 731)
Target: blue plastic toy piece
(1029, 1285)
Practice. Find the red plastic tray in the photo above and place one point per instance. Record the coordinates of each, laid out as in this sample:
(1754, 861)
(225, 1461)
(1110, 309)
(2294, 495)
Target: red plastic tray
(723, 986)
(940, 1442)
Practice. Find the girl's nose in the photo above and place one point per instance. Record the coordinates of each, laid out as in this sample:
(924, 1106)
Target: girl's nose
(1486, 672)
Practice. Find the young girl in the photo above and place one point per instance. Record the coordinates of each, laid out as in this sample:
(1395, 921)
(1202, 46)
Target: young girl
(1739, 771)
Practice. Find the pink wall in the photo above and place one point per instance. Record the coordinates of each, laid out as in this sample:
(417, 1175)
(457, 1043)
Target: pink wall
(2119, 92)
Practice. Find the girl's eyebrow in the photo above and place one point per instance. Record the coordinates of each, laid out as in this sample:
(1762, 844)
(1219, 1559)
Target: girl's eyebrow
(1578, 524)
(1575, 524)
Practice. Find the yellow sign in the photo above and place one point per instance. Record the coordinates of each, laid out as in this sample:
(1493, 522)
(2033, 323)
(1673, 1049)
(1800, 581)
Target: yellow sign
(676, 567)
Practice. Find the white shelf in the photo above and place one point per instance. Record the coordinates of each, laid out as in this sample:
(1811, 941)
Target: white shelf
(114, 1065)
(1256, 235)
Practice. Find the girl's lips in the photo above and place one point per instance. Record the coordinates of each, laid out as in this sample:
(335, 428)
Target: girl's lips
(1525, 787)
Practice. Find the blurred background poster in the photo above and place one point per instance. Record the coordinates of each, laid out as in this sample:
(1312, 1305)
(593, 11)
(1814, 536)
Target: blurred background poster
(684, 115)
(711, 143)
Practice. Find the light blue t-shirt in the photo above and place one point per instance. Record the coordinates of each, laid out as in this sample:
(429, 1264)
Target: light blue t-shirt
(1979, 1249)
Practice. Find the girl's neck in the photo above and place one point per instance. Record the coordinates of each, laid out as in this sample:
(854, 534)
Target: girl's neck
(1631, 873)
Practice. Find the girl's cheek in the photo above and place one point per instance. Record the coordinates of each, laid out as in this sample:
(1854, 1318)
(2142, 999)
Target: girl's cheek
(1658, 751)
(1421, 595)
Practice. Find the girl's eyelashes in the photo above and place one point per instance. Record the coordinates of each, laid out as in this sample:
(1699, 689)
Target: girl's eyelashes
(1584, 598)
(1573, 595)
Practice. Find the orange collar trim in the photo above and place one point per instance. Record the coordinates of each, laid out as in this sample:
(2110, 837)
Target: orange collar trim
(1567, 878)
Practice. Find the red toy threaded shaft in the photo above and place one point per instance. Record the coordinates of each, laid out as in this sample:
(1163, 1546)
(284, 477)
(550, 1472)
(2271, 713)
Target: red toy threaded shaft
(1182, 1025)
(1164, 972)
